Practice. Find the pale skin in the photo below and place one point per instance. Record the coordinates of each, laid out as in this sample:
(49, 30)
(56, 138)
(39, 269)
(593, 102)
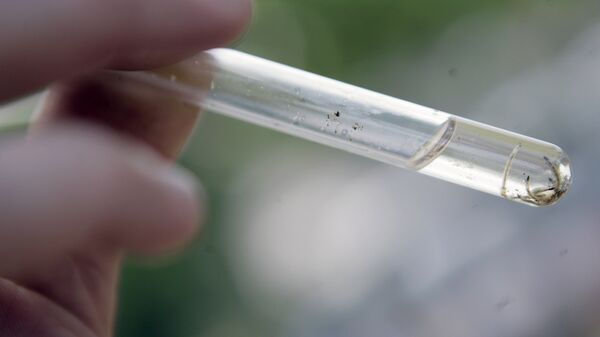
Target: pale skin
(93, 180)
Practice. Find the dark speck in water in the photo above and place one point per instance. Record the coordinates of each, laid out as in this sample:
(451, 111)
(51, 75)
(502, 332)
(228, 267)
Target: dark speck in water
(453, 72)
(504, 302)
(337, 114)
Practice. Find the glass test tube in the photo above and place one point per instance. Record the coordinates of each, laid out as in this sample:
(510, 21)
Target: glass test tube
(369, 124)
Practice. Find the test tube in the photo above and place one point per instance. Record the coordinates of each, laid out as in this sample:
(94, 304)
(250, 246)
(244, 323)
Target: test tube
(369, 124)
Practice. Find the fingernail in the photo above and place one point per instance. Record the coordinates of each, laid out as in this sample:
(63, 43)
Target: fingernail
(191, 199)
(183, 181)
(186, 182)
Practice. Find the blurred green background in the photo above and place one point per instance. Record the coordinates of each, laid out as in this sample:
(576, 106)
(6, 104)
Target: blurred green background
(368, 43)
(446, 54)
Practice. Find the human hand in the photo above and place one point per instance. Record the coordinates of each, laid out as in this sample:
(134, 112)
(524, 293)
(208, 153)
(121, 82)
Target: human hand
(84, 187)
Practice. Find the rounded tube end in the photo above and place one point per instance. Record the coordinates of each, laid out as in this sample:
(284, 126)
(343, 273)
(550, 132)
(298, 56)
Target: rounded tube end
(561, 179)
(550, 180)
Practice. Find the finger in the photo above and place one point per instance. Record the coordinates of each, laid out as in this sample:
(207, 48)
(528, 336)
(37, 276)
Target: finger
(43, 41)
(76, 186)
(159, 118)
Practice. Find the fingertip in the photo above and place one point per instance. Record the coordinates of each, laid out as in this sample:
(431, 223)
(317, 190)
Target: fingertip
(199, 25)
(132, 197)
(155, 206)
(183, 212)
(237, 17)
